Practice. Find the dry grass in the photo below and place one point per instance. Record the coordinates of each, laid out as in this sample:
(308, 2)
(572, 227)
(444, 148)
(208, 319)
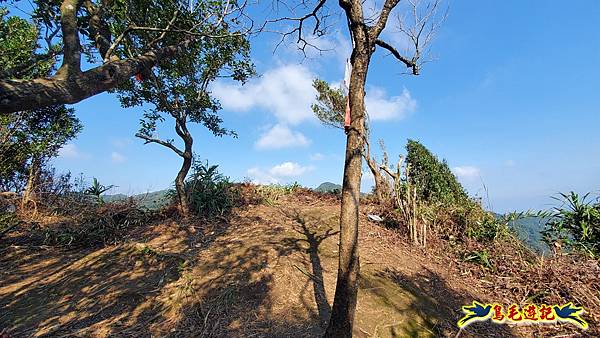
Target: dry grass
(268, 270)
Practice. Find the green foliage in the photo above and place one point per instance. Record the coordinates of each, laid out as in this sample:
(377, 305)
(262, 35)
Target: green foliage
(433, 179)
(483, 226)
(209, 192)
(129, 27)
(576, 223)
(480, 257)
(331, 104)
(97, 189)
(7, 219)
(33, 135)
(19, 42)
(270, 194)
(28, 136)
(178, 87)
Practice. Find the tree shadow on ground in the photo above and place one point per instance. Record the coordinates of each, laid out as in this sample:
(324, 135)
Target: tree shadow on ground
(311, 238)
(115, 290)
(260, 273)
(102, 287)
(431, 307)
(238, 294)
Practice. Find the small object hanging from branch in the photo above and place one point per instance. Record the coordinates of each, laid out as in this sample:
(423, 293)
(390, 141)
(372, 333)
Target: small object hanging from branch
(347, 74)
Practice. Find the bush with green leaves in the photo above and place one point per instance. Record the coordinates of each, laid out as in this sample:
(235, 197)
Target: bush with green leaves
(97, 189)
(271, 193)
(479, 257)
(469, 220)
(576, 223)
(95, 225)
(433, 179)
(210, 193)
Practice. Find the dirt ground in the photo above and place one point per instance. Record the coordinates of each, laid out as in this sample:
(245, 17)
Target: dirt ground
(269, 271)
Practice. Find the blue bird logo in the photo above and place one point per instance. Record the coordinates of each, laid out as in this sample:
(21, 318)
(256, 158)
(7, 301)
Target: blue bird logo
(474, 313)
(570, 313)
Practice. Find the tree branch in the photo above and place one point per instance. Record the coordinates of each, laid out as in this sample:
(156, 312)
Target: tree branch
(99, 30)
(410, 63)
(17, 95)
(189, 33)
(299, 29)
(169, 25)
(71, 65)
(376, 30)
(169, 145)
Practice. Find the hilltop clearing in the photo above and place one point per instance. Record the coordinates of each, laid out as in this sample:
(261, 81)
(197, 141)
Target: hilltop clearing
(268, 270)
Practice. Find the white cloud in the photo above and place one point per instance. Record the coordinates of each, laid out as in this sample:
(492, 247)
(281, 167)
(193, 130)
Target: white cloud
(316, 157)
(70, 151)
(258, 176)
(277, 173)
(285, 91)
(466, 172)
(289, 169)
(116, 157)
(381, 108)
(280, 136)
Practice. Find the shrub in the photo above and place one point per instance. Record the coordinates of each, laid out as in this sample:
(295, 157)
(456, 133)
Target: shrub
(97, 189)
(469, 220)
(433, 179)
(209, 192)
(576, 223)
(271, 193)
(97, 225)
(480, 257)
(8, 221)
(484, 226)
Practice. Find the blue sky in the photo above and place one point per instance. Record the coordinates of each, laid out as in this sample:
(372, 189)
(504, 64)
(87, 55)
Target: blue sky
(512, 102)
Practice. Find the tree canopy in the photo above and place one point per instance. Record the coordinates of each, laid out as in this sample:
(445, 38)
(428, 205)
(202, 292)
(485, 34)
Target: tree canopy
(34, 135)
(177, 88)
(118, 38)
(330, 104)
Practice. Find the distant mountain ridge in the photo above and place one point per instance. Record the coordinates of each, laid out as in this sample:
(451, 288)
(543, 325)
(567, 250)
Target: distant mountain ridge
(529, 230)
(151, 200)
(160, 198)
(328, 187)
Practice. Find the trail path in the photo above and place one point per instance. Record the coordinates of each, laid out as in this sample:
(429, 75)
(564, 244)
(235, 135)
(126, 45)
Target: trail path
(269, 272)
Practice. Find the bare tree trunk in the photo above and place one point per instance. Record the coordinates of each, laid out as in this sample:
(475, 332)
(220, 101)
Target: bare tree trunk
(184, 206)
(344, 304)
(28, 194)
(381, 185)
(182, 131)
